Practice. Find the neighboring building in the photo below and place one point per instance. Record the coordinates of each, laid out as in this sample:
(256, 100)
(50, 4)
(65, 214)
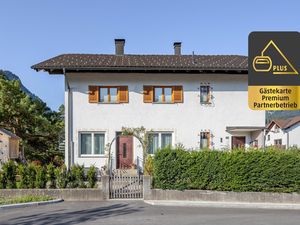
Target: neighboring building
(9, 145)
(195, 100)
(284, 133)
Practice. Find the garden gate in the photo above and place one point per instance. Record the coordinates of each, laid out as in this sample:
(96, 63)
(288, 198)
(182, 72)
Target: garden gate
(124, 186)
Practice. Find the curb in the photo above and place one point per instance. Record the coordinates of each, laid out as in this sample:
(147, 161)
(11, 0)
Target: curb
(29, 204)
(236, 205)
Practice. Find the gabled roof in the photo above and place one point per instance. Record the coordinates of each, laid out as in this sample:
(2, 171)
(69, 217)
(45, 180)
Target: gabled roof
(292, 121)
(284, 123)
(153, 63)
(8, 133)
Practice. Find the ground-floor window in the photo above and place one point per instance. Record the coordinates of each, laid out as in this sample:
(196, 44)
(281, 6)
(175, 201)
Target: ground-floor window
(278, 142)
(92, 143)
(204, 140)
(158, 140)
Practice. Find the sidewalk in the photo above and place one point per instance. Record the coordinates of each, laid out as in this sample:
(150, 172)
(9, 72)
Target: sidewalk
(225, 204)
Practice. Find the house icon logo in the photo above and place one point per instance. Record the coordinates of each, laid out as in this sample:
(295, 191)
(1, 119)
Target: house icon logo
(273, 60)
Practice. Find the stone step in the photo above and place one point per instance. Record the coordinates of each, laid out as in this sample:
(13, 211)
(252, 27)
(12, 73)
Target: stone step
(124, 172)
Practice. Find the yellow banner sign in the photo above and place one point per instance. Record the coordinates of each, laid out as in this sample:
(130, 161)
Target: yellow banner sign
(274, 97)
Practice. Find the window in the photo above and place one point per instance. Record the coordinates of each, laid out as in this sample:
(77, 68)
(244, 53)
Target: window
(158, 94)
(86, 144)
(92, 143)
(269, 137)
(278, 142)
(168, 95)
(163, 94)
(108, 94)
(124, 150)
(205, 94)
(153, 143)
(166, 140)
(204, 140)
(158, 140)
(113, 95)
(99, 144)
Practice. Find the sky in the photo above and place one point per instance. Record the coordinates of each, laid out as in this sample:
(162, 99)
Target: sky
(33, 30)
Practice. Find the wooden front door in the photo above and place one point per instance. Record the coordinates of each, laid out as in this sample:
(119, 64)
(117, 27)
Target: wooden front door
(238, 142)
(125, 152)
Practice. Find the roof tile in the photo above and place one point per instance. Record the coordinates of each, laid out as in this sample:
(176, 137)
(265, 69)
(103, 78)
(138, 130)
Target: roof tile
(147, 62)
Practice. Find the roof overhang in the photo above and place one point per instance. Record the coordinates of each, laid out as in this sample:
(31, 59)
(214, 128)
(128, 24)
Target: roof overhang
(244, 128)
(141, 70)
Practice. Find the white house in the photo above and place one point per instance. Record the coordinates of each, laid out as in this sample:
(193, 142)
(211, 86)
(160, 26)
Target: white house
(283, 133)
(199, 101)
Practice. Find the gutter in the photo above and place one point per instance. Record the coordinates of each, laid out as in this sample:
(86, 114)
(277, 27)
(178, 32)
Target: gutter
(149, 69)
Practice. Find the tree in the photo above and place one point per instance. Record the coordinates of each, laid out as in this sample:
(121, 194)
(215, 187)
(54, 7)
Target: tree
(38, 126)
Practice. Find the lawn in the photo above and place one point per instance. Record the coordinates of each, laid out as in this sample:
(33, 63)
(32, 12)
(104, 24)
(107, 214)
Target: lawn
(23, 199)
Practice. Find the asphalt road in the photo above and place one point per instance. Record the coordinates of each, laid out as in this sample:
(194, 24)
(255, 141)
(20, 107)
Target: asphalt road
(139, 213)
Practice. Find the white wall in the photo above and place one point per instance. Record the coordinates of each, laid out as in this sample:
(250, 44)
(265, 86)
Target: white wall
(280, 134)
(186, 120)
(294, 135)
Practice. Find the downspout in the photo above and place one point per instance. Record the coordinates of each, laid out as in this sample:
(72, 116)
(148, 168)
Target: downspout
(287, 139)
(70, 124)
(264, 138)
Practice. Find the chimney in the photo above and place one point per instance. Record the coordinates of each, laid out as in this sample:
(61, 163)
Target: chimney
(119, 45)
(177, 48)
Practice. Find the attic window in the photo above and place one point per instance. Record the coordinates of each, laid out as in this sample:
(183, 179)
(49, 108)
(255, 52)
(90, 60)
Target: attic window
(276, 129)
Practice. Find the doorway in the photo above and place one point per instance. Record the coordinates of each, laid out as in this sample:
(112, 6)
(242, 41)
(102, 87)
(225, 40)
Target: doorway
(238, 142)
(124, 152)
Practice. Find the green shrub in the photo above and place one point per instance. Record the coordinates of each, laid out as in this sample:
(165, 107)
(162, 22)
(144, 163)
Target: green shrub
(9, 174)
(92, 177)
(270, 170)
(80, 176)
(76, 177)
(148, 167)
(23, 174)
(31, 175)
(2, 180)
(51, 178)
(72, 183)
(61, 176)
(41, 177)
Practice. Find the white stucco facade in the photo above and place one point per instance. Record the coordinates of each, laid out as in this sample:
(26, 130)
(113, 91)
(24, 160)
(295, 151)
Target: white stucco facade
(276, 133)
(185, 120)
(289, 137)
(294, 135)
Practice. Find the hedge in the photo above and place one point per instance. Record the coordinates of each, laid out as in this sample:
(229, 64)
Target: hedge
(30, 175)
(269, 170)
